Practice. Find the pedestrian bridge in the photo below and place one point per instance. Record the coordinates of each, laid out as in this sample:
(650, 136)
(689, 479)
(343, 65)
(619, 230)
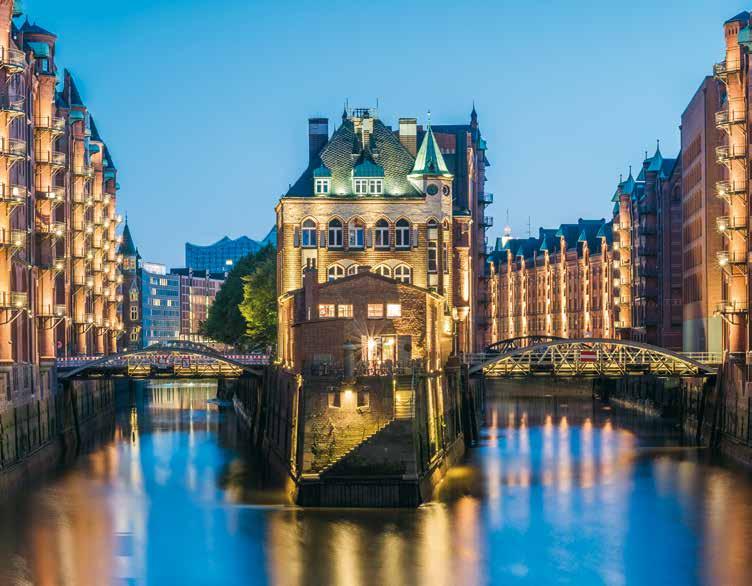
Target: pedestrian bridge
(172, 359)
(587, 357)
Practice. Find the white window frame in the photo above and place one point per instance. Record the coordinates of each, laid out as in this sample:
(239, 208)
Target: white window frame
(393, 310)
(334, 239)
(381, 234)
(308, 234)
(402, 234)
(433, 257)
(375, 311)
(383, 270)
(355, 228)
(403, 274)
(322, 186)
(334, 272)
(352, 270)
(360, 186)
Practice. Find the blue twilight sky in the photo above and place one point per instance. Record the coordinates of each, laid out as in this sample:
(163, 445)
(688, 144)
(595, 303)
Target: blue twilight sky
(204, 104)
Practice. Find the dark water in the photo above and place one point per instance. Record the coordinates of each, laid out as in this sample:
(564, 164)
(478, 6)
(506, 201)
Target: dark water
(558, 492)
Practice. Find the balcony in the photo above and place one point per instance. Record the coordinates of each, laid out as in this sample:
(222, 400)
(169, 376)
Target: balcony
(621, 325)
(725, 154)
(727, 224)
(485, 198)
(732, 262)
(51, 228)
(727, 190)
(57, 310)
(55, 159)
(647, 231)
(647, 292)
(52, 194)
(13, 148)
(55, 264)
(14, 300)
(487, 221)
(12, 60)
(86, 171)
(13, 195)
(12, 239)
(12, 104)
(731, 307)
(726, 118)
(53, 124)
(723, 69)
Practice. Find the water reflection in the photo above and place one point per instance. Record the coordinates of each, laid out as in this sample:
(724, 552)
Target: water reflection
(558, 490)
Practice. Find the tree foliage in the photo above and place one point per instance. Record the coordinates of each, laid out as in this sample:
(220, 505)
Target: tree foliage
(225, 322)
(259, 305)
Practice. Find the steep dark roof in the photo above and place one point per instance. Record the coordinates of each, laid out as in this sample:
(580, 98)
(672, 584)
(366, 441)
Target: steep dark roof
(127, 246)
(741, 17)
(385, 148)
(94, 131)
(71, 95)
(35, 29)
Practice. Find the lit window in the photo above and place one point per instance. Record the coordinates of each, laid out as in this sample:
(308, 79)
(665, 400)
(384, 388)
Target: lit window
(345, 310)
(352, 269)
(375, 186)
(156, 302)
(335, 272)
(134, 336)
(335, 234)
(383, 270)
(355, 234)
(309, 234)
(402, 234)
(432, 257)
(134, 295)
(375, 311)
(403, 273)
(361, 186)
(381, 234)
(322, 186)
(393, 310)
(134, 312)
(228, 262)
(326, 310)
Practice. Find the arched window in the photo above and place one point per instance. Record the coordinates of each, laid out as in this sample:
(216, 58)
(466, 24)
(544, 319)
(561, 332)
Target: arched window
(309, 234)
(352, 269)
(381, 234)
(403, 273)
(402, 233)
(356, 234)
(383, 270)
(432, 223)
(335, 272)
(335, 234)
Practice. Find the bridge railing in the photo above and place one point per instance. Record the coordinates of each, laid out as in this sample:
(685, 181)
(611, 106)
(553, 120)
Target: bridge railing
(253, 359)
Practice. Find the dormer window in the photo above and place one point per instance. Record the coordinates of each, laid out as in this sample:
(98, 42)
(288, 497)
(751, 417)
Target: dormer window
(368, 178)
(322, 186)
(368, 186)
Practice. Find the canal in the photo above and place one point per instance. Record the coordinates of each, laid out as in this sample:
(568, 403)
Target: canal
(560, 490)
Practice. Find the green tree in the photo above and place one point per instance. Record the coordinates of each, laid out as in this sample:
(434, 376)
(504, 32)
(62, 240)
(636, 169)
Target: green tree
(225, 323)
(259, 305)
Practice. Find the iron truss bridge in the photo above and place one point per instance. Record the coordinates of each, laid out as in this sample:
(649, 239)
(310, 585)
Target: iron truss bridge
(173, 359)
(589, 357)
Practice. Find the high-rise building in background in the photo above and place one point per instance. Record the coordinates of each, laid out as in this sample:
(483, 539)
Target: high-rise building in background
(198, 289)
(222, 256)
(59, 270)
(160, 304)
(704, 223)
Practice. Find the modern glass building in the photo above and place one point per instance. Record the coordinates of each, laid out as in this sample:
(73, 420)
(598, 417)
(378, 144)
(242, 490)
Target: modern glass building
(160, 303)
(223, 254)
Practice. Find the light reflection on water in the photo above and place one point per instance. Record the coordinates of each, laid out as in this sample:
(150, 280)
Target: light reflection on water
(558, 490)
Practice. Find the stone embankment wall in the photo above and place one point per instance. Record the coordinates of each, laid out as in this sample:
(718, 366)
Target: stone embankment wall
(37, 430)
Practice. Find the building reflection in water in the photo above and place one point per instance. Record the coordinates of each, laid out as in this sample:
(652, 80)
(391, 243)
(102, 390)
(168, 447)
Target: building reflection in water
(558, 490)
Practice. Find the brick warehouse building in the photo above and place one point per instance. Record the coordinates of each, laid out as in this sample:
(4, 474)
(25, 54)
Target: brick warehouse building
(59, 270)
(558, 284)
(370, 197)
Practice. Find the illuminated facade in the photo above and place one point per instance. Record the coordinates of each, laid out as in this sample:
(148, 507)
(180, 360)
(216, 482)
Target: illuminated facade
(59, 271)
(198, 289)
(558, 284)
(648, 254)
(371, 198)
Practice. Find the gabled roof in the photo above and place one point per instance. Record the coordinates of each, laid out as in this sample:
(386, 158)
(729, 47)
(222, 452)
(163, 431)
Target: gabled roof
(35, 29)
(94, 132)
(70, 94)
(367, 168)
(322, 171)
(429, 160)
(741, 17)
(548, 239)
(385, 150)
(607, 231)
(571, 235)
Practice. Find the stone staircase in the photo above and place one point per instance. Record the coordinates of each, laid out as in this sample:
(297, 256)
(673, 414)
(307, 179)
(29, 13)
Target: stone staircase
(347, 440)
(404, 398)
(388, 452)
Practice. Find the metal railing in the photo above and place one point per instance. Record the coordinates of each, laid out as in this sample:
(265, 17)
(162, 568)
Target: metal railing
(726, 117)
(13, 194)
(724, 68)
(12, 238)
(13, 147)
(54, 158)
(731, 307)
(726, 257)
(485, 198)
(53, 123)
(726, 153)
(14, 300)
(12, 58)
(83, 171)
(724, 223)
(728, 189)
(51, 227)
(13, 103)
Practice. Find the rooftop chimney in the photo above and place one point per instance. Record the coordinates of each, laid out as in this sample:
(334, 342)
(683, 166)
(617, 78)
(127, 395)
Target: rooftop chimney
(408, 134)
(318, 135)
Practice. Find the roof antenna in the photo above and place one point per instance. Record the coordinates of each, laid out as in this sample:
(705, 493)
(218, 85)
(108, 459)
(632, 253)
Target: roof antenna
(529, 228)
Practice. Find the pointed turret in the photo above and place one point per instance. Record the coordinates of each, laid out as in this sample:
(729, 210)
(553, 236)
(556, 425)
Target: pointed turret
(474, 118)
(429, 160)
(127, 246)
(656, 163)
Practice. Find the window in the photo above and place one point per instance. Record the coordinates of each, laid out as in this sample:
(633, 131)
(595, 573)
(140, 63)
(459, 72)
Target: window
(375, 186)
(361, 186)
(375, 311)
(134, 336)
(365, 186)
(393, 310)
(322, 186)
(134, 312)
(335, 272)
(432, 259)
(382, 234)
(445, 257)
(383, 270)
(335, 234)
(403, 273)
(355, 234)
(402, 234)
(345, 310)
(309, 234)
(352, 269)
(156, 302)
(326, 310)
(134, 294)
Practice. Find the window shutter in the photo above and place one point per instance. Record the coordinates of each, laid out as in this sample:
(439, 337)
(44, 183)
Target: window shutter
(296, 237)
(322, 239)
(369, 237)
(414, 238)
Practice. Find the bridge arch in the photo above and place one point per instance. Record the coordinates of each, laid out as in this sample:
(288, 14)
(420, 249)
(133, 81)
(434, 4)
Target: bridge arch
(591, 357)
(519, 342)
(171, 359)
